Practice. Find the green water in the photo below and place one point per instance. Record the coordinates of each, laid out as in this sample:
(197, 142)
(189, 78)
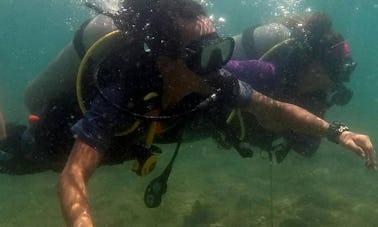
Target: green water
(208, 186)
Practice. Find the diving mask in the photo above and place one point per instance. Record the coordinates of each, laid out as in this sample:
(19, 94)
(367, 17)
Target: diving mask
(340, 62)
(208, 54)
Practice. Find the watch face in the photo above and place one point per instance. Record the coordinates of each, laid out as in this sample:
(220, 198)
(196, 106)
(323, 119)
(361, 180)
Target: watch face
(334, 130)
(342, 128)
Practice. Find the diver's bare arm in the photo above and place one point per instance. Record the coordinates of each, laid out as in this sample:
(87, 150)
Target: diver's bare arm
(278, 116)
(81, 164)
(3, 132)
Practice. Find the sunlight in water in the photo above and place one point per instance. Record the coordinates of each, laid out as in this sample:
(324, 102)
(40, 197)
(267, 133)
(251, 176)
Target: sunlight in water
(207, 3)
(107, 5)
(279, 7)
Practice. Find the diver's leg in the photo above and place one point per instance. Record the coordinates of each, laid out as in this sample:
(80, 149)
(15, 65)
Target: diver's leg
(19, 154)
(3, 132)
(10, 147)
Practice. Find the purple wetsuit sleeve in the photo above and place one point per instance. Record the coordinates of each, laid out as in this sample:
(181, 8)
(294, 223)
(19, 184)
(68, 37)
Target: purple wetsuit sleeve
(253, 72)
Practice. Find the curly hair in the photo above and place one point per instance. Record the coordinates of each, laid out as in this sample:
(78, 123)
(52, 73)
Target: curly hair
(154, 21)
(314, 32)
(315, 29)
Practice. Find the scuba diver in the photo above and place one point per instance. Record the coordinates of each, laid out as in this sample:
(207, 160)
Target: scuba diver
(311, 64)
(159, 72)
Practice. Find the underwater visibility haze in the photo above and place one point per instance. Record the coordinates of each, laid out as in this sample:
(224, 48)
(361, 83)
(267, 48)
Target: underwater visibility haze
(208, 186)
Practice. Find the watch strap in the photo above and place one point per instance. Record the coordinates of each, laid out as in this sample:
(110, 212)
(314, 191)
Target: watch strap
(334, 131)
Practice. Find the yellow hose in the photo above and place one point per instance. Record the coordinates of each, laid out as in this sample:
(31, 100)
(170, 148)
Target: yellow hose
(84, 64)
(108, 39)
(276, 47)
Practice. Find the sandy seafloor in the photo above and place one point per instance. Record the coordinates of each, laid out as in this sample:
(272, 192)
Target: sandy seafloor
(208, 186)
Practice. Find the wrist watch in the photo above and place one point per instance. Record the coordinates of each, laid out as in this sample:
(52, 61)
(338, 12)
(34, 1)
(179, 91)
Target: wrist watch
(334, 131)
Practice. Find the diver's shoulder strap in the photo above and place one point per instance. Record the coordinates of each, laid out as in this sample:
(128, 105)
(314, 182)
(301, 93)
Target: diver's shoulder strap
(78, 39)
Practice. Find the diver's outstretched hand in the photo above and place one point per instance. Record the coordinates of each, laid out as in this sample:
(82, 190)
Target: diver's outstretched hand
(361, 145)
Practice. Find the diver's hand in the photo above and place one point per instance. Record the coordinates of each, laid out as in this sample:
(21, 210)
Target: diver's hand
(361, 145)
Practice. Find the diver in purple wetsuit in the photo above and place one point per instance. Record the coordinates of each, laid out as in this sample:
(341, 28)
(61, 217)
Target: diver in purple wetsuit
(311, 64)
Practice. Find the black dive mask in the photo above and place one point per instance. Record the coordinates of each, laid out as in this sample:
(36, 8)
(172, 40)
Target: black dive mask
(340, 62)
(208, 54)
